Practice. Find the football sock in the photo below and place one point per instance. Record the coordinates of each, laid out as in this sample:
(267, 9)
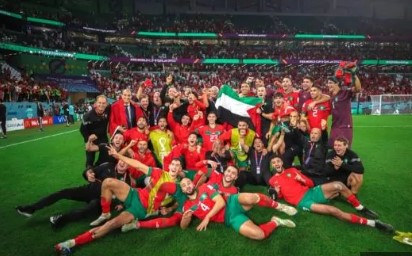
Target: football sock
(354, 202)
(159, 222)
(105, 205)
(84, 238)
(266, 201)
(268, 228)
(358, 220)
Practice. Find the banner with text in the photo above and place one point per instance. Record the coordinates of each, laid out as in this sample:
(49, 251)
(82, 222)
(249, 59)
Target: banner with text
(32, 122)
(14, 124)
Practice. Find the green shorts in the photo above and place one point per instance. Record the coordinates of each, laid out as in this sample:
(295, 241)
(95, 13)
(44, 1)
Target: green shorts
(133, 205)
(235, 214)
(190, 174)
(313, 196)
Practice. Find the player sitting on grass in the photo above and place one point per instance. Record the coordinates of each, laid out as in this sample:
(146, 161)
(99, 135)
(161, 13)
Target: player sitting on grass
(223, 183)
(138, 203)
(298, 190)
(208, 205)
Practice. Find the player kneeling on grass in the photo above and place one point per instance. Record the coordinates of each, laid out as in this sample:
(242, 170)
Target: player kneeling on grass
(298, 190)
(208, 205)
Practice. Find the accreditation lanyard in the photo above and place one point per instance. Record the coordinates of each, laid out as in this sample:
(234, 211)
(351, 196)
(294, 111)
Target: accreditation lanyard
(219, 163)
(258, 163)
(156, 114)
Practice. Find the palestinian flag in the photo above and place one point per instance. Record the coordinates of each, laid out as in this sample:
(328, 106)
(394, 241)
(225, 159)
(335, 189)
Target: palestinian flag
(231, 108)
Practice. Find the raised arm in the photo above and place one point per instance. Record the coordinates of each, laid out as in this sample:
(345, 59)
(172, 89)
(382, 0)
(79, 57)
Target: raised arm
(357, 86)
(131, 162)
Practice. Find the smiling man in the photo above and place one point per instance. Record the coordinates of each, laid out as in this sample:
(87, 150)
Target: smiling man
(299, 190)
(207, 204)
(345, 165)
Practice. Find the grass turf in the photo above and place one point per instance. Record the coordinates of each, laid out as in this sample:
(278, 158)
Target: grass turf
(43, 162)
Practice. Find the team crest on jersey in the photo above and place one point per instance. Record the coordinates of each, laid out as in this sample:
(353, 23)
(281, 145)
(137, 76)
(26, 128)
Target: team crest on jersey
(289, 175)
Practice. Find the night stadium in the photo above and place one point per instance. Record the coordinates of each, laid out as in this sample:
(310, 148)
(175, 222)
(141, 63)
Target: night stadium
(196, 127)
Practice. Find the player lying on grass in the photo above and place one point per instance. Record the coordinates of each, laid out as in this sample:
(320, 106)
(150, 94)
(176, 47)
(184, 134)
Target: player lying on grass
(89, 193)
(138, 203)
(208, 205)
(223, 183)
(298, 190)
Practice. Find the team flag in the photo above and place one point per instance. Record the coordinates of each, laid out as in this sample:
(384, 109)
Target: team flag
(231, 108)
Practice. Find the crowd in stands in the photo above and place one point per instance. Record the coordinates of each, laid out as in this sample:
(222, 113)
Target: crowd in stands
(375, 79)
(127, 24)
(14, 89)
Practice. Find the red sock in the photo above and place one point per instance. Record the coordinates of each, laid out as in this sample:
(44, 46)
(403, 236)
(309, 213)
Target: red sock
(268, 228)
(105, 205)
(161, 222)
(353, 200)
(266, 201)
(84, 238)
(358, 220)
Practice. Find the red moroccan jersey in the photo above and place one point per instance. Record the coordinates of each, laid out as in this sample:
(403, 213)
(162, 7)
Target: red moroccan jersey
(291, 189)
(203, 203)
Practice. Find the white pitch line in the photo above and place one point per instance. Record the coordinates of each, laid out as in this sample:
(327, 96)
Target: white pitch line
(46, 137)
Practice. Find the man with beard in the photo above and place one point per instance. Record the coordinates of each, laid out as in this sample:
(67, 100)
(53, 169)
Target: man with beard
(305, 94)
(316, 112)
(299, 190)
(143, 154)
(138, 203)
(161, 140)
(117, 142)
(208, 205)
(239, 140)
(222, 182)
(141, 132)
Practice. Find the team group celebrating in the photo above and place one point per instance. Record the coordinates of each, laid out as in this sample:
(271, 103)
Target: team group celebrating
(166, 157)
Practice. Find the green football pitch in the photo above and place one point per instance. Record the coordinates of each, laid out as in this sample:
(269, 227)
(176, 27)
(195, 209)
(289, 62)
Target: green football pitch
(34, 164)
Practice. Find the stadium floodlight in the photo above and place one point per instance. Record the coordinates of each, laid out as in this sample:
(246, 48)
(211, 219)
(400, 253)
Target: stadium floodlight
(388, 104)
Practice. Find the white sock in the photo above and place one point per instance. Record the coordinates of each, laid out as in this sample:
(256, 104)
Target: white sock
(370, 223)
(359, 207)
